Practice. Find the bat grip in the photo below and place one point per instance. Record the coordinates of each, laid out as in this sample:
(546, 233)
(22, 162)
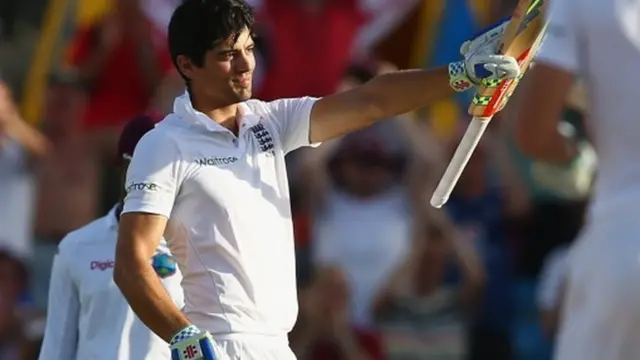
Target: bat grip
(459, 160)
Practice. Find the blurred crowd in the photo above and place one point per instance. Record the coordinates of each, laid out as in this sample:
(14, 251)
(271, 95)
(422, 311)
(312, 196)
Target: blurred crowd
(381, 274)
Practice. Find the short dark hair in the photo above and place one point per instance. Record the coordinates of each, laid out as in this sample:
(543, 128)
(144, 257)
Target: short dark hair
(198, 26)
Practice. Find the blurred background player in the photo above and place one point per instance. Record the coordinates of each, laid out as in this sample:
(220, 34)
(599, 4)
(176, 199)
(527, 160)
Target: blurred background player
(21, 148)
(89, 317)
(598, 41)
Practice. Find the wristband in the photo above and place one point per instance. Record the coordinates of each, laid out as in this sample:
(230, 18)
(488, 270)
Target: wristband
(458, 79)
(184, 334)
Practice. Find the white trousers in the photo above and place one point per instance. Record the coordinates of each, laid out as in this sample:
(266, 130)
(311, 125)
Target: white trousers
(252, 347)
(601, 308)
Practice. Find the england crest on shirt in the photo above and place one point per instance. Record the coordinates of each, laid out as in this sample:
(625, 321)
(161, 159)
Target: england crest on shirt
(263, 138)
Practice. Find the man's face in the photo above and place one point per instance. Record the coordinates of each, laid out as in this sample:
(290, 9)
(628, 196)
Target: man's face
(226, 74)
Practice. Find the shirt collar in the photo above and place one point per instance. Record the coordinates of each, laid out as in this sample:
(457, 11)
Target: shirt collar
(182, 107)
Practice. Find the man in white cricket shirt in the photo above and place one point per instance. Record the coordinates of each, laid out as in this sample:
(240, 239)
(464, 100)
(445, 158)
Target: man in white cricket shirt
(599, 41)
(87, 316)
(216, 166)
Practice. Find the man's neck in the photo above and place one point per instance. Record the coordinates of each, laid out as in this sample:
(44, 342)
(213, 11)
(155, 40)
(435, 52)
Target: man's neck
(226, 115)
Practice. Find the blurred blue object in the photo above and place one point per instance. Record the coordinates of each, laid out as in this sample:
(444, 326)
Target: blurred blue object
(529, 342)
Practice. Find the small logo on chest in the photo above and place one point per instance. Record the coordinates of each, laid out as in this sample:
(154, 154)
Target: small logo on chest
(263, 138)
(102, 265)
(216, 161)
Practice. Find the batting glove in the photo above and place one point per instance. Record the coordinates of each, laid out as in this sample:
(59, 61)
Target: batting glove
(481, 62)
(192, 344)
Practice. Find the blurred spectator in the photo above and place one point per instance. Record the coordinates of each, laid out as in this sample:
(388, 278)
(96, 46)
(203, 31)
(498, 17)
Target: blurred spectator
(13, 281)
(362, 195)
(364, 221)
(558, 191)
(310, 43)
(479, 207)
(324, 331)
(68, 184)
(20, 146)
(427, 319)
(120, 62)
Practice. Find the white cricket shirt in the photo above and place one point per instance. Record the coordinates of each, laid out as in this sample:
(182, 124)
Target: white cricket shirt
(599, 40)
(231, 196)
(87, 316)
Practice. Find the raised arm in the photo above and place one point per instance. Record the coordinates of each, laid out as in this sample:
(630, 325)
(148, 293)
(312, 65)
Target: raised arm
(14, 126)
(152, 184)
(399, 92)
(61, 332)
(385, 96)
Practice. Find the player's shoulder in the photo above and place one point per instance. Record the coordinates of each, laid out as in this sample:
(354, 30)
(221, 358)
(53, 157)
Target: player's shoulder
(163, 137)
(276, 107)
(165, 130)
(259, 107)
(89, 233)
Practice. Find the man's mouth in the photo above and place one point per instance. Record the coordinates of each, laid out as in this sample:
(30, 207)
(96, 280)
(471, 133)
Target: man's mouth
(243, 82)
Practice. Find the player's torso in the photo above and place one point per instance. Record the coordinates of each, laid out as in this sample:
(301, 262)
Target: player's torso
(233, 204)
(610, 54)
(107, 327)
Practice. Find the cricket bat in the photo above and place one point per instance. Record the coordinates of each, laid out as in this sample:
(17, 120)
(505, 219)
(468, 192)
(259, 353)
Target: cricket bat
(521, 39)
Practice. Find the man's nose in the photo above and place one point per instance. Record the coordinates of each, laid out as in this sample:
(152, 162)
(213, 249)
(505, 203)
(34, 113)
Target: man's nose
(243, 63)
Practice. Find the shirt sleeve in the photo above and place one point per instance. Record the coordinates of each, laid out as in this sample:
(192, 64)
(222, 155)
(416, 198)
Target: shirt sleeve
(61, 331)
(560, 47)
(152, 180)
(291, 120)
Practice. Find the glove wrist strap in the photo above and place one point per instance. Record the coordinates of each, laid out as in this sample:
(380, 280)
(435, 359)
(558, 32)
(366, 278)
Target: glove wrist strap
(184, 334)
(458, 79)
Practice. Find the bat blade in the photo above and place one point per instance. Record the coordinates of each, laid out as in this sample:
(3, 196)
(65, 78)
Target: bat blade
(521, 40)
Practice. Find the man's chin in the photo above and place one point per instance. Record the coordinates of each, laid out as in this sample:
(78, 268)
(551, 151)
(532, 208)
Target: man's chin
(243, 94)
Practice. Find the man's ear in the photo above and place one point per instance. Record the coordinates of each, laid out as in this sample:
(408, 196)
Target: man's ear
(185, 66)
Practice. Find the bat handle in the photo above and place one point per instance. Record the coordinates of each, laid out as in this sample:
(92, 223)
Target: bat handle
(459, 160)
